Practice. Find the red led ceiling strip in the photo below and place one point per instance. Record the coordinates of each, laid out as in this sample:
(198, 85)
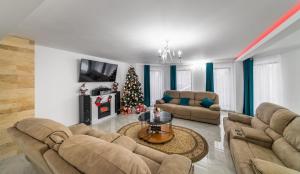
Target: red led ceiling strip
(284, 18)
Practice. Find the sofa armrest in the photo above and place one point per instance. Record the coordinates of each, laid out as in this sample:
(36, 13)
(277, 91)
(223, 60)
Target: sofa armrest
(265, 167)
(215, 107)
(80, 129)
(252, 135)
(160, 101)
(239, 118)
(175, 164)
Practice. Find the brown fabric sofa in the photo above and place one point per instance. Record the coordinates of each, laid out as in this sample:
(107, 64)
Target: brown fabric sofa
(56, 149)
(268, 143)
(194, 111)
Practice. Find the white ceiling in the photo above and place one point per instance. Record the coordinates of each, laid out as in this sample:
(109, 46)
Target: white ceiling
(288, 40)
(12, 12)
(133, 30)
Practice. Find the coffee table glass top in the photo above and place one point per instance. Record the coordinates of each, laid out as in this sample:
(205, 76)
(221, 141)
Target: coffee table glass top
(150, 118)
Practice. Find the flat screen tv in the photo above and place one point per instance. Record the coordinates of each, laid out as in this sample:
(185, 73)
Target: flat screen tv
(94, 71)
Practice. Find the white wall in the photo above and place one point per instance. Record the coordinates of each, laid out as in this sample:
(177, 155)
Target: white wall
(57, 86)
(291, 82)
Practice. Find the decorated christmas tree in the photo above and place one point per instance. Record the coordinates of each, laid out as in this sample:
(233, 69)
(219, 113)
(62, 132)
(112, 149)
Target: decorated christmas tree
(132, 98)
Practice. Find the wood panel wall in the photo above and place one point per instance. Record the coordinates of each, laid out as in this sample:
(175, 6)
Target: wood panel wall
(16, 87)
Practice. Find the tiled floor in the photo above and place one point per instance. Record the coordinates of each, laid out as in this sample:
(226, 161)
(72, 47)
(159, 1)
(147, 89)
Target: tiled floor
(218, 159)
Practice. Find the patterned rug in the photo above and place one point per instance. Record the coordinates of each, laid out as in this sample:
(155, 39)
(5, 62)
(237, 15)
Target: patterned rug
(186, 142)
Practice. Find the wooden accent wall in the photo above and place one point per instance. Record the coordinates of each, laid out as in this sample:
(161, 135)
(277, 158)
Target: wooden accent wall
(16, 87)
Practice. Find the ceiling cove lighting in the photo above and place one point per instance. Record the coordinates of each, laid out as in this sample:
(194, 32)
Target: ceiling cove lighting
(269, 30)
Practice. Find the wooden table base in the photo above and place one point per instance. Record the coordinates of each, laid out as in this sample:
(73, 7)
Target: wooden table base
(166, 134)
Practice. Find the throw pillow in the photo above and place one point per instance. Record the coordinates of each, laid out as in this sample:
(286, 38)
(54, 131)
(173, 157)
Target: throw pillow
(184, 101)
(206, 102)
(167, 98)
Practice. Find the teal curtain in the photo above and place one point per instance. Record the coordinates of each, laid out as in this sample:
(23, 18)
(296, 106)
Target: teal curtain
(147, 85)
(248, 108)
(173, 85)
(210, 77)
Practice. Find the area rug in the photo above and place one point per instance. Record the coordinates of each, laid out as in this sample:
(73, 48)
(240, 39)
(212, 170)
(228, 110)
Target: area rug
(186, 142)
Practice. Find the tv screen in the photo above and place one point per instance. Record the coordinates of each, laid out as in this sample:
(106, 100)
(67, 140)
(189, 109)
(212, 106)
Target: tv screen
(94, 71)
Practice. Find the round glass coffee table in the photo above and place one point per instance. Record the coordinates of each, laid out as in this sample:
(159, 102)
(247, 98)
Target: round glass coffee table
(156, 128)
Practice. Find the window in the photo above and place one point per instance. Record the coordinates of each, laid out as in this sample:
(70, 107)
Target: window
(184, 80)
(224, 85)
(267, 81)
(156, 85)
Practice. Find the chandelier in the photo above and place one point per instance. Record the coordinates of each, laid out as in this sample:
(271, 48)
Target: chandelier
(168, 55)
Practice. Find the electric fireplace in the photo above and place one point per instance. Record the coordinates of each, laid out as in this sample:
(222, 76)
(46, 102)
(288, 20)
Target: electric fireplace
(104, 110)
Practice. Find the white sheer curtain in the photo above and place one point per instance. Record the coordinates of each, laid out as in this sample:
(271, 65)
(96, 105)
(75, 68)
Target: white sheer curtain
(184, 80)
(267, 80)
(156, 85)
(224, 86)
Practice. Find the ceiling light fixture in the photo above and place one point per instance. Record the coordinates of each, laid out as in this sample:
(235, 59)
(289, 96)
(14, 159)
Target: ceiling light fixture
(168, 55)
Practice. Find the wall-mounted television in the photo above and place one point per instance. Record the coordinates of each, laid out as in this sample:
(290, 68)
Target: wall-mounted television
(94, 71)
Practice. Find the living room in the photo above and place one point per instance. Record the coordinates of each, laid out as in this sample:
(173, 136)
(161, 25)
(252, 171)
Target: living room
(166, 87)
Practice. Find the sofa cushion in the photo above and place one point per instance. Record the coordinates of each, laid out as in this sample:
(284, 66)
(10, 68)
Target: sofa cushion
(271, 133)
(187, 94)
(167, 98)
(96, 133)
(80, 129)
(175, 101)
(242, 153)
(286, 153)
(258, 124)
(206, 102)
(48, 131)
(256, 136)
(264, 153)
(265, 167)
(153, 165)
(265, 111)
(184, 101)
(215, 107)
(91, 155)
(292, 133)
(201, 112)
(175, 164)
(57, 164)
(168, 107)
(126, 142)
(201, 95)
(229, 124)
(281, 118)
(150, 153)
(233, 116)
(192, 103)
(182, 110)
(172, 93)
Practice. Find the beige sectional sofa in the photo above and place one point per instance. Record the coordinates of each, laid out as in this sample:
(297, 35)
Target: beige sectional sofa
(56, 149)
(194, 111)
(268, 143)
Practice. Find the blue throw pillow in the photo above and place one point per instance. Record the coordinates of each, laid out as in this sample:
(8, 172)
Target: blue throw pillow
(167, 98)
(184, 101)
(206, 102)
